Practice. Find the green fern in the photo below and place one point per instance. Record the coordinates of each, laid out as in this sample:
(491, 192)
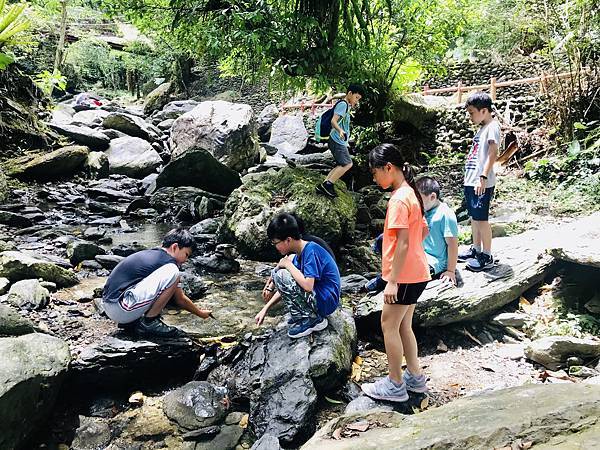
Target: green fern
(12, 22)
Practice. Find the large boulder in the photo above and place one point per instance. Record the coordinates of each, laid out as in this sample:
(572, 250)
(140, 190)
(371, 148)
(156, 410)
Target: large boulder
(280, 377)
(132, 156)
(19, 266)
(250, 208)
(531, 413)
(87, 136)
(158, 98)
(46, 166)
(522, 263)
(183, 201)
(79, 250)
(553, 351)
(289, 134)
(579, 242)
(32, 371)
(28, 294)
(128, 124)
(12, 323)
(90, 117)
(198, 168)
(227, 131)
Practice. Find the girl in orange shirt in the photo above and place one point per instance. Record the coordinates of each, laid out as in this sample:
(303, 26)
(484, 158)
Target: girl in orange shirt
(405, 269)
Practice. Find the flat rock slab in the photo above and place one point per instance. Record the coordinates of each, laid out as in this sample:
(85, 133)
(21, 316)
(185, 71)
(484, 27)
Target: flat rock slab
(522, 264)
(579, 242)
(534, 413)
(20, 266)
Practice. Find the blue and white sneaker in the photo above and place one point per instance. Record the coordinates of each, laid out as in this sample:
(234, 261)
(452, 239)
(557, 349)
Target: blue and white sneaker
(306, 327)
(467, 254)
(415, 384)
(480, 262)
(386, 389)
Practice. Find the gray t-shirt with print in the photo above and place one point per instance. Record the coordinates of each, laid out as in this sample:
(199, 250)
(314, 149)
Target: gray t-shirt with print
(477, 156)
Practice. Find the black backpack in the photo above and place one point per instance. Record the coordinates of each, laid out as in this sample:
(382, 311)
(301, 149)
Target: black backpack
(323, 125)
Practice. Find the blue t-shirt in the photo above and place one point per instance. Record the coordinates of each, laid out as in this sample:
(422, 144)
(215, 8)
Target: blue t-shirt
(316, 262)
(441, 221)
(342, 109)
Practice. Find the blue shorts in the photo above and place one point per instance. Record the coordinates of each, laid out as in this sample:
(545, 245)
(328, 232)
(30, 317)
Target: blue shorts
(340, 153)
(478, 206)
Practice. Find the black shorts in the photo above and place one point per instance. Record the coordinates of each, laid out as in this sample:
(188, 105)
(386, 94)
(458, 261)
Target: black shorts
(478, 206)
(409, 293)
(340, 153)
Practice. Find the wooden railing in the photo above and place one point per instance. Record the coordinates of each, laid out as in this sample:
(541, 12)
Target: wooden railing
(493, 85)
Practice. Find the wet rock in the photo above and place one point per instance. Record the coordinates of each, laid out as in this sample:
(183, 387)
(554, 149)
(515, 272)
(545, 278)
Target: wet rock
(208, 207)
(158, 98)
(206, 226)
(28, 294)
(97, 164)
(89, 137)
(132, 156)
(227, 439)
(12, 323)
(94, 233)
(109, 261)
(18, 266)
(203, 433)
(127, 249)
(78, 251)
(265, 119)
(266, 442)
(250, 208)
(166, 124)
(46, 166)
(93, 433)
(128, 124)
(195, 405)
(15, 220)
(193, 285)
(280, 377)
(288, 134)
(552, 352)
(522, 265)
(216, 263)
(226, 131)
(353, 283)
(543, 411)
(124, 360)
(172, 200)
(32, 371)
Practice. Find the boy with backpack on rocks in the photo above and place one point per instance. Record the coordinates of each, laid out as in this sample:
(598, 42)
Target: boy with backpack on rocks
(334, 125)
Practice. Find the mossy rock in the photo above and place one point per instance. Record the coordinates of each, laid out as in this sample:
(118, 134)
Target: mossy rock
(250, 208)
(52, 165)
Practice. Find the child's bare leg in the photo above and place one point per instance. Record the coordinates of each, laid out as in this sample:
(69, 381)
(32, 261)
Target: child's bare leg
(337, 172)
(485, 233)
(409, 342)
(162, 300)
(476, 233)
(391, 318)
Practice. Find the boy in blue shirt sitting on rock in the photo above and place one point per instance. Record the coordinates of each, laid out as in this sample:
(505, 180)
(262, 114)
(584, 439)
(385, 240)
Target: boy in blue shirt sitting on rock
(306, 278)
(441, 244)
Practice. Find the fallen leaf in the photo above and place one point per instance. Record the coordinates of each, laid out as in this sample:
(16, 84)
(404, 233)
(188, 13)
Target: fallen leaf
(359, 426)
(356, 372)
(244, 422)
(524, 301)
(337, 434)
(335, 402)
(424, 403)
(358, 360)
(137, 398)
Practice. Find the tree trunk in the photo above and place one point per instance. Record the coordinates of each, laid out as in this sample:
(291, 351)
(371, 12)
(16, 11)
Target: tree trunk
(60, 48)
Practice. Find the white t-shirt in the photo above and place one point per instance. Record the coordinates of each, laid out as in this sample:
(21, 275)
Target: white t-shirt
(477, 156)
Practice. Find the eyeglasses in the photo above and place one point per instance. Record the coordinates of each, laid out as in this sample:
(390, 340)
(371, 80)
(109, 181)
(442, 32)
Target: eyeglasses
(276, 242)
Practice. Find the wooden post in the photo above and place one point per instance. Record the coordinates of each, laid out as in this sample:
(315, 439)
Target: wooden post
(543, 84)
(425, 89)
(459, 91)
(493, 88)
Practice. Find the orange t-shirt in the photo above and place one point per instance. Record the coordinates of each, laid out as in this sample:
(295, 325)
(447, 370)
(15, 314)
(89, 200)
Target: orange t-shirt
(404, 211)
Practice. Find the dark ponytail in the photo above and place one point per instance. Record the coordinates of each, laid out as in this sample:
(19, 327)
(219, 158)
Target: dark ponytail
(389, 153)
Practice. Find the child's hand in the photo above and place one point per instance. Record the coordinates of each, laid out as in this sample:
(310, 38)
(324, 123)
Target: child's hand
(342, 135)
(205, 313)
(284, 263)
(480, 188)
(260, 317)
(267, 293)
(448, 277)
(390, 293)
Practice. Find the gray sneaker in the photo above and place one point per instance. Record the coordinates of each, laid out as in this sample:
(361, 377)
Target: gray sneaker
(386, 389)
(415, 384)
(157, 328)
